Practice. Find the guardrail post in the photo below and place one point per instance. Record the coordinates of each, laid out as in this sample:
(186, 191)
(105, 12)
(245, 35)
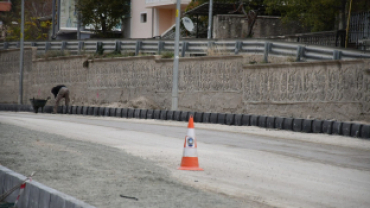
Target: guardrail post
(160, 47)
(118, 47)
(64, 45)
(210, 44)
(6, 45)
(238, 47)
(47, 46)
(137, 47)
(80, 46)
(18, 45)
(336, 55)
(184, 48)
(34, 44)
(299, 54)
(266, 52)
(99, 47)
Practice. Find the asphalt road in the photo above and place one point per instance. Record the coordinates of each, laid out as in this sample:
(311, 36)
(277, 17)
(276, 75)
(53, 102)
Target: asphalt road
(277, 168)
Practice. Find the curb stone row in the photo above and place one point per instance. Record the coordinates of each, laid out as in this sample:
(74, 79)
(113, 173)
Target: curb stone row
(290, 124)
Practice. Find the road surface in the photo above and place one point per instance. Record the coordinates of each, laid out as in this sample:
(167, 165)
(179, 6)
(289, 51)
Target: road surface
(243, 166)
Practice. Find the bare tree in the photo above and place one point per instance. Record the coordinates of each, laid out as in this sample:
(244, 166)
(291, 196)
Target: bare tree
(38, 8)
(251, 16)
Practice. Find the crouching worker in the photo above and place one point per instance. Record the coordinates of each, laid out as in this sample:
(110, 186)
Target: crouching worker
(59, 92)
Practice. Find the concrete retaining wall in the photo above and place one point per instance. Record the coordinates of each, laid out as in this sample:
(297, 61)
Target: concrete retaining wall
(337, 90)
(326, 90)
(35, 194)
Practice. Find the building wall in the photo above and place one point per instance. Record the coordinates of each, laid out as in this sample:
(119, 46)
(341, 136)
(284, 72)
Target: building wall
(166, 18)
(266, 26)
(158, 3)
(68, 17)
(138, 29)
(323, 90)
(157, 23)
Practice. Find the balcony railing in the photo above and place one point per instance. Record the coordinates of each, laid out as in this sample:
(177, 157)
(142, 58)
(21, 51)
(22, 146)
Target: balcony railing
(165, 2)
(159, 1)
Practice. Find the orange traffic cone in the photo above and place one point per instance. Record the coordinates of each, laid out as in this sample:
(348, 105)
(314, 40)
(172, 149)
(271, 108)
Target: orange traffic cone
(190, 157)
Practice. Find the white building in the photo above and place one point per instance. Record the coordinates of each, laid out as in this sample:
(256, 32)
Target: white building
(149, 18)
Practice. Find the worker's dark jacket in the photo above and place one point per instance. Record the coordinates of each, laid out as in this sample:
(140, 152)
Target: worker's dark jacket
(56, 89)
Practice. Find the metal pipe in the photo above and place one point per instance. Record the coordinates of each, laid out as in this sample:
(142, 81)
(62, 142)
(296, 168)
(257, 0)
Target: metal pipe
(210, 20)
(152, 22)
(53, 20)
(175, 77)
(58, 20)
(197, 24)
(77, 9)
(78, 25)
(20, 99)
(348, 21)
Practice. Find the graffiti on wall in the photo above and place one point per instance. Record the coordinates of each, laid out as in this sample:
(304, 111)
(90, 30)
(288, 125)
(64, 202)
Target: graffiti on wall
(211, 76)
(59, 71)
(309, 85)
(130, 74)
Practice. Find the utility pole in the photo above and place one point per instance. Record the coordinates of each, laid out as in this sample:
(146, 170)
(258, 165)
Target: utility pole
(78, 25)
(20, 98)
(58, 15)
(348, 21)
(53, 19)
(79, 16)
(175, 77)
(210, 19)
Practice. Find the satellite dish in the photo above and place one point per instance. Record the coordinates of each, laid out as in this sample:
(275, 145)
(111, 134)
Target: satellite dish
(188, 24)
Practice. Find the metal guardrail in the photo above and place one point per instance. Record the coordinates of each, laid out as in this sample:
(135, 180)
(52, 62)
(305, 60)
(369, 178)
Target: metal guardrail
(326, 38)
(266, 48)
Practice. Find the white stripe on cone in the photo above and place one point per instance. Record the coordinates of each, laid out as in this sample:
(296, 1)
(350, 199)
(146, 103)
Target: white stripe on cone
(190, 151)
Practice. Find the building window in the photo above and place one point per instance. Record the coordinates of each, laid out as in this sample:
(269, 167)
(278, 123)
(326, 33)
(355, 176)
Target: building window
(143, 17)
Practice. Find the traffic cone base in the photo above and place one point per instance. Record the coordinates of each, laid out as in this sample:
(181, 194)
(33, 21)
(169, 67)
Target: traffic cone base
(189, 163)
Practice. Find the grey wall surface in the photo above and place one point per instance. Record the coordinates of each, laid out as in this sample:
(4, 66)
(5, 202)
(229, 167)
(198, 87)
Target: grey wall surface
(236, 26)
(326, 90)
(223, 84)
(9, 73)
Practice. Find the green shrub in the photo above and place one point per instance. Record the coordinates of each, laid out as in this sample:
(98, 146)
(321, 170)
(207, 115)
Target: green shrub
(167, 54)
(54, 53)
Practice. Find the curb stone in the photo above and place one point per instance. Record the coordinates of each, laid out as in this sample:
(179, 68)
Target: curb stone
(292, 124)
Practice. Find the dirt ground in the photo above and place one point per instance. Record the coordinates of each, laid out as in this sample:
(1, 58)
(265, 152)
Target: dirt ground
(139, 102)
(98, 174)
(243, 166)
